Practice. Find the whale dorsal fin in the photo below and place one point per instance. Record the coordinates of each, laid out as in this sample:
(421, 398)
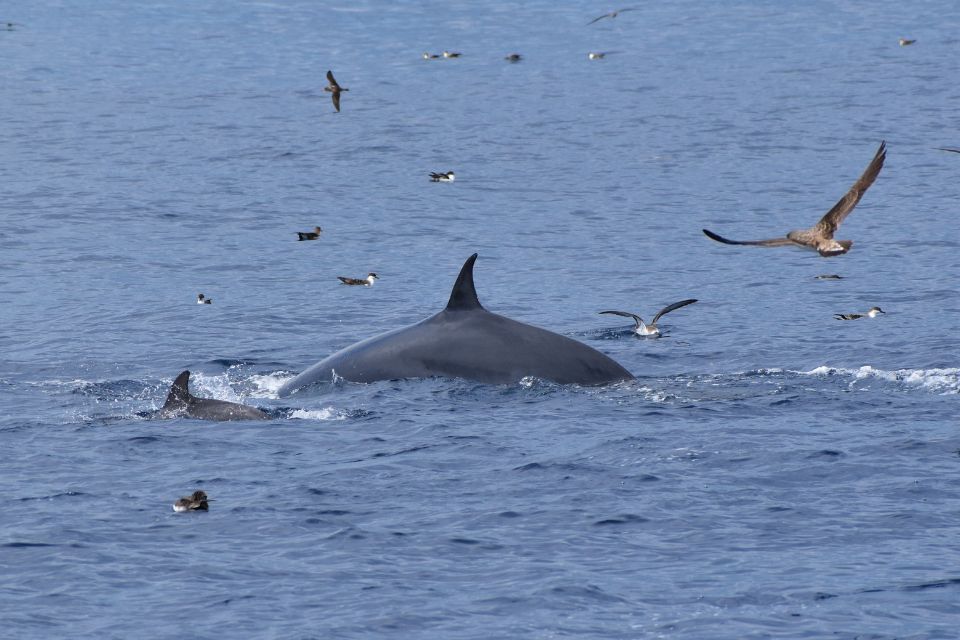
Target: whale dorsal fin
(179, 395)
(464, 296)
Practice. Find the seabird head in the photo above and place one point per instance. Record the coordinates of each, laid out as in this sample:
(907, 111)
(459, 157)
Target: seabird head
(372, 276)
(202, 299)
(874, 311)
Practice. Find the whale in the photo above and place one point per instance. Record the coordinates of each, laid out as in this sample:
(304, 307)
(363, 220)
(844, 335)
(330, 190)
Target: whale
(466, 341)
(181, 403)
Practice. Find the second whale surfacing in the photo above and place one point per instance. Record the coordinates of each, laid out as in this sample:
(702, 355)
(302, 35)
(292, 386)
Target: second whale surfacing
(465, 341)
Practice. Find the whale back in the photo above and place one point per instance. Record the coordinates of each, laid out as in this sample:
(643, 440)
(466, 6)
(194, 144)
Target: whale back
(464, 340)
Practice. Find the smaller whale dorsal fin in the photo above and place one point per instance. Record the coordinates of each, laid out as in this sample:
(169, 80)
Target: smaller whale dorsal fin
(464, 295)
(179, 395)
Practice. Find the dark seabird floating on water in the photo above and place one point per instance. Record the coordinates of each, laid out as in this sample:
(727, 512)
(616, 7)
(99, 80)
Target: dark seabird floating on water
(513, 57)
(335, 90)
(197, 501)
(872, 313)
(309, 235)
(643, 329)
(611, 15)
(449, 176)
(366, 282)
(828, 276)
(820, 236)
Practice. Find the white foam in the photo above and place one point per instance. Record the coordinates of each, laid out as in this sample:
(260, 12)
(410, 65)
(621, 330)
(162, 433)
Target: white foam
(327, 413)
(268, 385)
(945, 381)
(216, 387)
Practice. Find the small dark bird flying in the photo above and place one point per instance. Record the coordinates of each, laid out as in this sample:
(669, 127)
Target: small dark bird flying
(334, 88)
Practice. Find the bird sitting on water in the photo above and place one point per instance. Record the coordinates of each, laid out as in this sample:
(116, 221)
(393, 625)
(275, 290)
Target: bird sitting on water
(513, 57)
(309, 235)
(197, 501)
(449, 176)
(643, 329)
(872, 313)
(366, 282)
(430, 56)
(452, 54)
(202, 299)
(904, 42)
(334, 88)
(820, 236)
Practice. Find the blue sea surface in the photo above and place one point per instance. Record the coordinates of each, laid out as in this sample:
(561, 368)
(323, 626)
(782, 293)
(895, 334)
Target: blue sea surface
(771, 473)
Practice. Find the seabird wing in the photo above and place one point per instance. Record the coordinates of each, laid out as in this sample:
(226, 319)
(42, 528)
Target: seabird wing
(950, 149)
(331, 80)
(772, 242)
(625, 314)
(672, 307)
(831, 220)
(336, 100)
(606, 15)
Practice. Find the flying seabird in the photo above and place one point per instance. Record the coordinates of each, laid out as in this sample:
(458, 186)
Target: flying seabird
(820, 236)
(366, 282)
(643, 329)
(611, 15)
(872, 313)
(335, 90)
(449, 176)
(202, 299)
(309, 235)
(197, 501)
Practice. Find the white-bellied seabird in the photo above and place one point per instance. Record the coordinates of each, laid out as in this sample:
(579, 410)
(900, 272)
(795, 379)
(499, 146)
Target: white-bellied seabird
(820, 236)
(643, 329)
(366, 282)
(197, 501)
(872, 313)
(449, 176)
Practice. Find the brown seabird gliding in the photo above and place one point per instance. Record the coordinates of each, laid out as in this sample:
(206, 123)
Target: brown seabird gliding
(820, 236)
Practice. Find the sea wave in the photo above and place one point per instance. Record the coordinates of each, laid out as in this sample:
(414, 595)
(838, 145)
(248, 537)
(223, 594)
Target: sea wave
(944, 381)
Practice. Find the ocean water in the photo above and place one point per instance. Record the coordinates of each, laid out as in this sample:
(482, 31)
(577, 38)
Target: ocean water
(771, 472)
